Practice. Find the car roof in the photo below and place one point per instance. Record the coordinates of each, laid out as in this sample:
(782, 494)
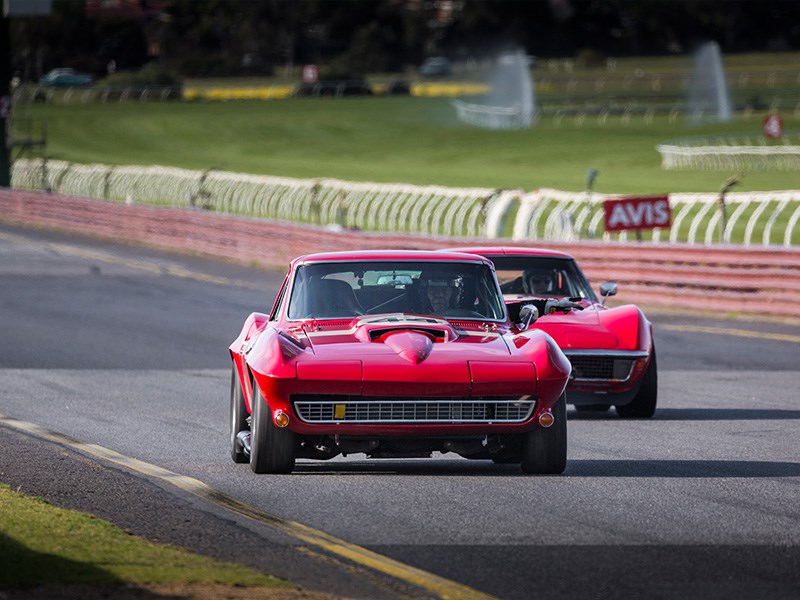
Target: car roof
(391, 255)
(511, 251)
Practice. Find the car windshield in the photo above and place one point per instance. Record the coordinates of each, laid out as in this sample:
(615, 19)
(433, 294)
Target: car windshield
(329, 290)
(542, 276)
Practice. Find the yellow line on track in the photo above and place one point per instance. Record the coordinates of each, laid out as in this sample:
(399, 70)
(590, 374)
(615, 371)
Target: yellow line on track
(764, 335)
(441, 587)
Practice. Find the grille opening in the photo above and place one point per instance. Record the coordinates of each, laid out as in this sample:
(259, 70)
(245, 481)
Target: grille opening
(600, 367)
(364, 409)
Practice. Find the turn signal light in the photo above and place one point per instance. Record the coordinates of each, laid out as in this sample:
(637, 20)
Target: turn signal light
(281, 418)
(546, 419)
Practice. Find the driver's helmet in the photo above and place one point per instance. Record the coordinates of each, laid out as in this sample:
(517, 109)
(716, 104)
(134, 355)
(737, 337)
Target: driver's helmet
(443, 279)
(538, 281)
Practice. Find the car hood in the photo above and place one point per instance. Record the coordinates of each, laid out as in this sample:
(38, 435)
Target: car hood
(414, 355)
(413, 339)
(581, 329)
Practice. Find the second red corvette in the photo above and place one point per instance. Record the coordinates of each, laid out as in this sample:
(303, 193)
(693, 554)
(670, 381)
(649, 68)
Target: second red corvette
(611, 350)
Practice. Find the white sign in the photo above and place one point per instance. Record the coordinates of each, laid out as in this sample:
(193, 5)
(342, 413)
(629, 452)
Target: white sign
(637, 213)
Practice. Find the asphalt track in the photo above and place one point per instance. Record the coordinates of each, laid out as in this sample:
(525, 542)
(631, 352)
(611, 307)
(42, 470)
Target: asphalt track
(126, 349)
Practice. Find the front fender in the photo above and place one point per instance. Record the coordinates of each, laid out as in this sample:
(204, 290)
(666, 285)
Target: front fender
(553, 369)
(272, 362)
(630, 326)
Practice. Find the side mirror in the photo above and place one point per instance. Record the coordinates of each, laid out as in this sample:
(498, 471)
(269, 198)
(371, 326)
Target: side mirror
(607, 289)
(527, 316)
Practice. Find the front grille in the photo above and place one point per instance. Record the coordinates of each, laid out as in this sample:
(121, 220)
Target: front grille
(600, 367)
(362, 409)
(592, 367)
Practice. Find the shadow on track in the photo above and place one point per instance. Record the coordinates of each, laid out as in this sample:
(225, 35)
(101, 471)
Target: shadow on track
(700, 414)
(667, 572)
(682, 468)
(726, 414)
(575, 468)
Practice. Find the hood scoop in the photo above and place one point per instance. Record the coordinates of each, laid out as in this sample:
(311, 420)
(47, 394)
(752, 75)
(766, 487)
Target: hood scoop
(412, 346)
(437, 334)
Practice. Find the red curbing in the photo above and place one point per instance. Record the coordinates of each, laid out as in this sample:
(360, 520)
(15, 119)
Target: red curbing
(734, 279)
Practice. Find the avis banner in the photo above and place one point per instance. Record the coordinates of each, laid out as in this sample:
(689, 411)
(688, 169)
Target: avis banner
(637, 213)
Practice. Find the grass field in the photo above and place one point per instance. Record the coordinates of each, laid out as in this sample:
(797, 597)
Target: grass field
(392, 139)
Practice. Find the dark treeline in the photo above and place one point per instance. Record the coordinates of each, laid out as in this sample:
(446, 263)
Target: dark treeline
(265, 37)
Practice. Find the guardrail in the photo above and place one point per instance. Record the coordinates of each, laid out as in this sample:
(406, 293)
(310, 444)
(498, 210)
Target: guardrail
(726, 280)
(752, 218)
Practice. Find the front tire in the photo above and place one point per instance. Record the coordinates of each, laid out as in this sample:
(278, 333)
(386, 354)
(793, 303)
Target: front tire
(643, 405)
(238, 417)
(272, 449)
(544, 451)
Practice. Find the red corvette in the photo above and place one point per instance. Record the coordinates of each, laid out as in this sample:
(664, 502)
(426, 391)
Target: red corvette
(611, 350)
(395, 354)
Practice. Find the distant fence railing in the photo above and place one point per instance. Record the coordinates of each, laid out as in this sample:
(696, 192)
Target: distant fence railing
(493, 117)
(751, 218)
(730, 153)
(29, 93)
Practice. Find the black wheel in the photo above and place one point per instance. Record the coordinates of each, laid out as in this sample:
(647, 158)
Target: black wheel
(545, 449)
(238, 417)
(643, 404)
(271, 448)
(592, 408)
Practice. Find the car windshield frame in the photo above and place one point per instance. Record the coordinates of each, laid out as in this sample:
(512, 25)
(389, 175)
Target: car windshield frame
(475, 293)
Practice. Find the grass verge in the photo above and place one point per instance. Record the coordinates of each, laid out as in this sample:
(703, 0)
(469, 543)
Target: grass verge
(45, 546)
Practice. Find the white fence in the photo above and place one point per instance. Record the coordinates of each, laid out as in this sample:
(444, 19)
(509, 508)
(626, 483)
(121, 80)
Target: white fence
(432, 210)
(752, 218)
(748, 218)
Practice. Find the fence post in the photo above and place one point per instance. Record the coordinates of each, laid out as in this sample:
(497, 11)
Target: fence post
(723, 224)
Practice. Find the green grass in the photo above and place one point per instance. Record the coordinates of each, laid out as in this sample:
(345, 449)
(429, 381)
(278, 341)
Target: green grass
(42, 545)
(391, 139)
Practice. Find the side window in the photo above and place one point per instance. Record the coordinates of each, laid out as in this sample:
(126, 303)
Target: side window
(276, 307)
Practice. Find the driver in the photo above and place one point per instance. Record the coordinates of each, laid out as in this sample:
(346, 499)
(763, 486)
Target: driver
(538, 282)
(442, 291)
